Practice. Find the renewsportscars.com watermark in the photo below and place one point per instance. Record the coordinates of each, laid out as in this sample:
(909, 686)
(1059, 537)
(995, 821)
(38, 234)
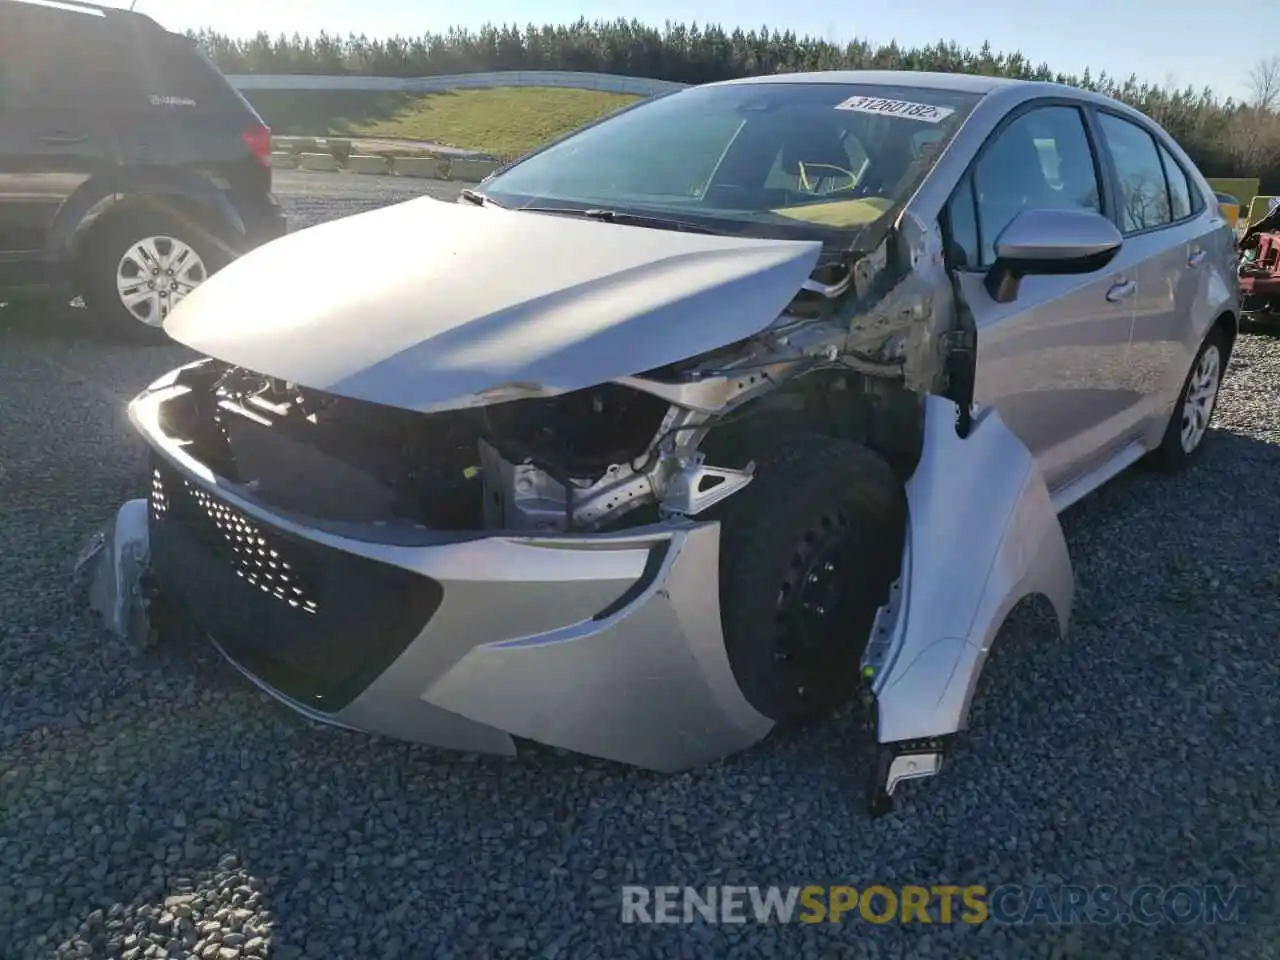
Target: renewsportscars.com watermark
(1005, 904)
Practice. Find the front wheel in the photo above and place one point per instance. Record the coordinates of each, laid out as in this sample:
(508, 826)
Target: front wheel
(139, 266)
(808, 552)
(1185, 434)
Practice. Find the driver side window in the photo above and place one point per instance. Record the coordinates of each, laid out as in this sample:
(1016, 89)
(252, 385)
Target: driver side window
(1042, 160)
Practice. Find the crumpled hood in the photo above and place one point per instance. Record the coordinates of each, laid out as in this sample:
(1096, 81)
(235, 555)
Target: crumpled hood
(429, 305)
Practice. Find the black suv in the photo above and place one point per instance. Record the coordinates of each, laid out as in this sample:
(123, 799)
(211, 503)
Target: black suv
(130, 169)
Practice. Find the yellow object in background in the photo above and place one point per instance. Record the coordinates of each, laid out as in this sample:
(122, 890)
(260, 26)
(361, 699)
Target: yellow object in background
(1243, 189)
(1230, 212)
(838, 213)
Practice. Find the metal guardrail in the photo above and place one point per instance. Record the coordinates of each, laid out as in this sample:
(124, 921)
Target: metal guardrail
(611, 83)
(306, 153)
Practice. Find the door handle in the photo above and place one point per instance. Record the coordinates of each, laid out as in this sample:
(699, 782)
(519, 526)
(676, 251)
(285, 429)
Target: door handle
(63, 139)
(1122, 291)
(1196, 258)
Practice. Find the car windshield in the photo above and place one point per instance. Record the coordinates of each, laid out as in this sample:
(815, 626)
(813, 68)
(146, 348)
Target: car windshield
(811, 160)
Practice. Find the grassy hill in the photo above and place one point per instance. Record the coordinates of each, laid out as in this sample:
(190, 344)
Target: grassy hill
(504, 121)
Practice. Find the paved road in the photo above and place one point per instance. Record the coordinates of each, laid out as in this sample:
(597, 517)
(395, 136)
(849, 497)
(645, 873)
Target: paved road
(156, 805)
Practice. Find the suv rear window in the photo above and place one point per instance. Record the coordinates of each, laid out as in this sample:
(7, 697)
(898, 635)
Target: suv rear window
(179, 75)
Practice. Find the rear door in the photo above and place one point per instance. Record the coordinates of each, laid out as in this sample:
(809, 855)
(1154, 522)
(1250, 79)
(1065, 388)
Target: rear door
(1162, 218)
(1159, 237)
(65, 85)
(1052, 362)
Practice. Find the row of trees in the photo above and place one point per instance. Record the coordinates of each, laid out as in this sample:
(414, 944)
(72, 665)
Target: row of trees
(1225, 137)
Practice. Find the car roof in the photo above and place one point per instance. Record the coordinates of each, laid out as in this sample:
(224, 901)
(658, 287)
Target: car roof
(959, 82)
(1005, 89)
(79, 6)
(926, 80)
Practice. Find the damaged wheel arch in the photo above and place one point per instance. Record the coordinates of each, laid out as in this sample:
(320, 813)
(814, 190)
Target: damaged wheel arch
(963, 571)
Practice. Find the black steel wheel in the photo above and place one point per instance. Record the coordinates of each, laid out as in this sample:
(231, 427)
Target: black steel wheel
(808, 552)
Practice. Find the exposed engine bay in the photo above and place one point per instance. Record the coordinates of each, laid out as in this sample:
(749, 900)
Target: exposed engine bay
(611, 456)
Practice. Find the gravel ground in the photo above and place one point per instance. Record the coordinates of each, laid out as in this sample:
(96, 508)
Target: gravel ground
(155, 804)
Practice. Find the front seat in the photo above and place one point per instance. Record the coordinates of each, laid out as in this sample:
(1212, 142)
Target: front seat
(1010, 179)
(818, 147)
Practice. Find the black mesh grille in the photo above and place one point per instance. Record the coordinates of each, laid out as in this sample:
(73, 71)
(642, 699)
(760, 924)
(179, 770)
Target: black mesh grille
(316, 623)
(241, 541)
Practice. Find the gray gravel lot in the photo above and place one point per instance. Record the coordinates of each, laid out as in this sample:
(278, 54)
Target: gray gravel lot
(157, 805)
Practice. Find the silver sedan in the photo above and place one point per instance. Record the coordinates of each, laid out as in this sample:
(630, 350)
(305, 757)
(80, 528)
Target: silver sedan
(707, 417)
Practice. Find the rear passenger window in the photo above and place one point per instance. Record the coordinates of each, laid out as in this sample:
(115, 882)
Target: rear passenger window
(1042, 160)
(68, 60)
(1179, 186)
(1144, 198)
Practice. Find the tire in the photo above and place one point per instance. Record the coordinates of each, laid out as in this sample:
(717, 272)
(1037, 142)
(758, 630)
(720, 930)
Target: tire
(1189, 424)
(794, 627)
(122, 248)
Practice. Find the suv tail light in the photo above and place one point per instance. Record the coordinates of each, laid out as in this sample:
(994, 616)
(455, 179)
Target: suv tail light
(258, 139)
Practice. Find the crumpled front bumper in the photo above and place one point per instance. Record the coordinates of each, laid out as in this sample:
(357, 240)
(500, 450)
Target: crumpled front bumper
(609, 645)
(115, 557)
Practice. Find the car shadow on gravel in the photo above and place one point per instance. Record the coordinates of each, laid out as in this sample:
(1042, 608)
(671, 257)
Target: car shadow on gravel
(53, 323)
(81, 351)
(50, 320)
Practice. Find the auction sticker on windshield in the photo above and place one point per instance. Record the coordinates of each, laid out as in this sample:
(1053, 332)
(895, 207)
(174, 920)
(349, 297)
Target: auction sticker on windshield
(896, 108)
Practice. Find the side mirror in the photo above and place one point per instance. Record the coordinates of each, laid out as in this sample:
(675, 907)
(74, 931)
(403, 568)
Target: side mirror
(1050, 242)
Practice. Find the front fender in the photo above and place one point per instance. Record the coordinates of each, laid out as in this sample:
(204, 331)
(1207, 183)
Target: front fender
(982, 535)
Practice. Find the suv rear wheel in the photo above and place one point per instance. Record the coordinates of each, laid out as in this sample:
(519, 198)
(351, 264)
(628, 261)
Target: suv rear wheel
(138, 266)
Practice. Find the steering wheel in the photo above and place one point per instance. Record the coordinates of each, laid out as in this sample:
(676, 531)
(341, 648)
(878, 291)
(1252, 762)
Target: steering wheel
(808, 185)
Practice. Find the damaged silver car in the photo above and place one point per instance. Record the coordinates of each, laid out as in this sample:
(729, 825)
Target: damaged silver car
(703, 419)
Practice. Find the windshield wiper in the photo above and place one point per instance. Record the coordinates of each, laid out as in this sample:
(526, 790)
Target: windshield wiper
(604, 216)
(624, 218)
(479, 199)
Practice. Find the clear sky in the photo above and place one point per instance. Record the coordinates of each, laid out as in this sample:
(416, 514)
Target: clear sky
(1159, 40)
